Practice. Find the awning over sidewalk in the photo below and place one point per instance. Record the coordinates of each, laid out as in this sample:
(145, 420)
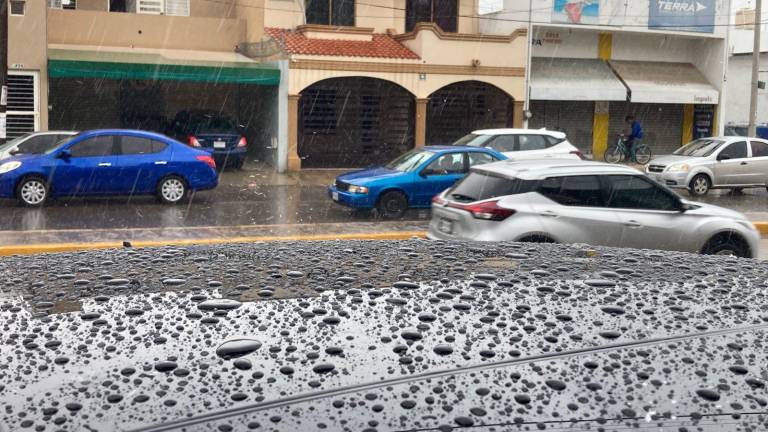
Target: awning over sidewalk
(74, 61)
(663, 82)
(574, 80)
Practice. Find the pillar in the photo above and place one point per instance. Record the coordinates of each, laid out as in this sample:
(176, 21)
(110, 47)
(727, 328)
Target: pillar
(687, 124)
(600, 120)
(294, 163)
(421, 121)
(518, 114)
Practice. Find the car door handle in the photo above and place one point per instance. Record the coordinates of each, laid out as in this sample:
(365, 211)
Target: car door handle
(743, 163)
(105, 164)
(548, 213)
(633, 224)
(161, 162)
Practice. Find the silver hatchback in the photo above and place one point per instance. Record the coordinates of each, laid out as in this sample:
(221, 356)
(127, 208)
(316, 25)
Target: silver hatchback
(709, 163)
(567, 201)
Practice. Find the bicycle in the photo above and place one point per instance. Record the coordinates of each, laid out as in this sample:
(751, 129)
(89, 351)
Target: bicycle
(641, 153)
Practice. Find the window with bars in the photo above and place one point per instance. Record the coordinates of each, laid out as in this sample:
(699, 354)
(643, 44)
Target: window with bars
(18, 7)
(163, 7)
(444, 13)
(62, 4)
(22, 115)
(330, 12)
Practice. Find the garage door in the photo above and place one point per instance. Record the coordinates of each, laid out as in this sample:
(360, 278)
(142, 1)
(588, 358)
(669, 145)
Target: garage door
(574, 118)
(662, 124)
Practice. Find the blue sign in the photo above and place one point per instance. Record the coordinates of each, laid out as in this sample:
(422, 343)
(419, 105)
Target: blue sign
(683, 15)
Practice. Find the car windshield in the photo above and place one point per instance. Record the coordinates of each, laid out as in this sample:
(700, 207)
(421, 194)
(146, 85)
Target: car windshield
(211, 123)
(699, 148)
(12, 143)
(478, 186)
(410, 161)
(59, 143)
(473, 140)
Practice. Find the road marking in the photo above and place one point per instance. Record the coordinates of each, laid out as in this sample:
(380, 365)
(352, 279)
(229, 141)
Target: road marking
(70, 247)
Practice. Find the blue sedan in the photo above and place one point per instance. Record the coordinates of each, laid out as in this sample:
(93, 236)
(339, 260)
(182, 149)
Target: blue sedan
(109, 162)
(411, 180)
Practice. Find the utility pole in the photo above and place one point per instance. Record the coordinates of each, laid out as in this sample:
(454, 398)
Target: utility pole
(527, 101)
(3, 67)
(752, 131)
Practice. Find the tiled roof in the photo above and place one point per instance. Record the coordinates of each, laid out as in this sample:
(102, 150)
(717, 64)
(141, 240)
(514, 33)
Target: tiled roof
(381, 46)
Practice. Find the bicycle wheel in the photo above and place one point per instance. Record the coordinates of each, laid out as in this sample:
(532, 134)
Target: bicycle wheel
(613, 154)
(643, 155)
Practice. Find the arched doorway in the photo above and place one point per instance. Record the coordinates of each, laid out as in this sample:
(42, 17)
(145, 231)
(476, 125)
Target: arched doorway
(354, 122)
(459, 108)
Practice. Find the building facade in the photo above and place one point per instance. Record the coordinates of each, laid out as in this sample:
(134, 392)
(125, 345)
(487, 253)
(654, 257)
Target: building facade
(595, 62)
(739, 76)
(315, 84)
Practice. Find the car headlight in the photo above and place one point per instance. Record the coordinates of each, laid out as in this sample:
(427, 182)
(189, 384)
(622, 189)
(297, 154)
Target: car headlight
(9, 166)
(678, 168)
(358, 189)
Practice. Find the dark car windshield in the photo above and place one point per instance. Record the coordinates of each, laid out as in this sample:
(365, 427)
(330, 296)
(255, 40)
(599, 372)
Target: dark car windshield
(211, 123)
(478, 186)
(410, 161)
(699, 148)
(473, 140)
(60, 142)
(12, 143)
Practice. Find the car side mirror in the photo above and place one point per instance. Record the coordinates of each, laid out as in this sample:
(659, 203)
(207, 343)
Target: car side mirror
(14, 152)
(683, 206)
(723, 157)
(426, 172)
(64, 154)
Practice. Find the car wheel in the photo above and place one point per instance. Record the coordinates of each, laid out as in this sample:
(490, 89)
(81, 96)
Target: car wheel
(727, 244)
(392, 205)
(32, 191)
(699, 185)
(536, 238)
(172, 190)
(238, 164)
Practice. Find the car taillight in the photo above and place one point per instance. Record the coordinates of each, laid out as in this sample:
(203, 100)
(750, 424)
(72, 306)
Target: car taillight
(208, 160)
(577, 153)
(488, 210)
(242, 142)
(437, 199)
(193, 141)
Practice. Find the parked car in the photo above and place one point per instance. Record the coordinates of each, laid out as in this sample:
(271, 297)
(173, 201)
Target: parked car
(714, 163)
(33, 143)
(213, 132)
(523, 143)
(584, 202)
(411, 180)
(109, 162)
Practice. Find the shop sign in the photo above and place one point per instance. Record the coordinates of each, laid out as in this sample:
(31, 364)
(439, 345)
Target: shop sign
(682, 15)
(549, 38)
(703, 121)
(576, 12)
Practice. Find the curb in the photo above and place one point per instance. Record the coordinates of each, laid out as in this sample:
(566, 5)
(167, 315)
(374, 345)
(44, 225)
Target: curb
(762, 227)
(71, 247)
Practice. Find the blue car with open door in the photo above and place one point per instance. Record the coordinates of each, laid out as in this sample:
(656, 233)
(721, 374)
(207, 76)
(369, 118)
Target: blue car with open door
(410, 181)
(109, 162)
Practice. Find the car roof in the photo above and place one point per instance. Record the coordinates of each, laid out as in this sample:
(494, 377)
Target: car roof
(514, 131)
(452, 148)
(55, 132)
(134, 132)
(537, 169)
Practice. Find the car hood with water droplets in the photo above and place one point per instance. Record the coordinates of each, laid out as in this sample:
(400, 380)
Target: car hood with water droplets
(382, 336)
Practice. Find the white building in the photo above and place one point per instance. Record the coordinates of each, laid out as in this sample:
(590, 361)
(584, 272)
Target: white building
(739, 75)
(594, 62)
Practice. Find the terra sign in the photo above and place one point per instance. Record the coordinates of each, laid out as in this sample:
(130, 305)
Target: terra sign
(683, 15)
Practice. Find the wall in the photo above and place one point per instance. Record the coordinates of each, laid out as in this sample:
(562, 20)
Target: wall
(147, 31)
(253, 14)
(27, 48)
(737, 89)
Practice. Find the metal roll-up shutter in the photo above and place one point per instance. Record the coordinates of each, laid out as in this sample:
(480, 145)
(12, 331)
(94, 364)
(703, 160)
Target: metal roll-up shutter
(574, 118)
(662, 124)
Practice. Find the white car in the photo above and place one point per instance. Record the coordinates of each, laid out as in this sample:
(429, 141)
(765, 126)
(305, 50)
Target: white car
(33, 143)
(565, 201)
(523, 144)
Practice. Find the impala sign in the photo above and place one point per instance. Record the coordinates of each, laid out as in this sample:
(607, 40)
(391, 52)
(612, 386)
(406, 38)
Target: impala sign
(683, 15)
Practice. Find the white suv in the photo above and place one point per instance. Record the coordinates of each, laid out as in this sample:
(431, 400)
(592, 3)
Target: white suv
(566, 201)
(520, 144)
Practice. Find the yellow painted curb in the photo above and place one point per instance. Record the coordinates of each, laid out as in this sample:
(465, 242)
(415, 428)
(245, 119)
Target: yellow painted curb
(70, 247)
(762, 227)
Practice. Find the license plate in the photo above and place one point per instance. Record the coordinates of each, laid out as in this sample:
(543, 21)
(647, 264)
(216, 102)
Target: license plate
(219, 144)
(335, 196)
(445, 225)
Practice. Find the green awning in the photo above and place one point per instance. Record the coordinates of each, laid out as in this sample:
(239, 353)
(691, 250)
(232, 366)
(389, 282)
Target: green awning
(223, 74)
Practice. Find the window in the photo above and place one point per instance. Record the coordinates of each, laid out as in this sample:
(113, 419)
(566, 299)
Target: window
(451, 163)
(503, 143)
(18, 7)
(553, 141)
(480, 158)
(410, 161)
(96, 146)
(23, 102)
(441, 12)
(38, 144)
(581, 191)
(118, 6)
(759, 149)
(131, 145)
(531, 142)
(477, 186)
(635, 192)
(737, 150)
(331, 12)
(62, 4)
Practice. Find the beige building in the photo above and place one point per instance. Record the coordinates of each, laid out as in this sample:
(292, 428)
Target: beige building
(318, 84)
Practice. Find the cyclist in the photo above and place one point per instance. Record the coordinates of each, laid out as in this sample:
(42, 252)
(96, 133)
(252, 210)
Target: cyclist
(634, 132)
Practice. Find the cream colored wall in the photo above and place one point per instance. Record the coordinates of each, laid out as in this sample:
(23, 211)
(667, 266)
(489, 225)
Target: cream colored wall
(283, 13)
(27, 50)
(214, 9)
(390, 16)
(468, 21)
(145, 31)
(433, 50)
(253, 13)
(93, 5)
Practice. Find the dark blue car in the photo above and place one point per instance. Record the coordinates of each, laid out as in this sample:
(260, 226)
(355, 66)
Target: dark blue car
(213, 132)
(411, 180)
(109, 162)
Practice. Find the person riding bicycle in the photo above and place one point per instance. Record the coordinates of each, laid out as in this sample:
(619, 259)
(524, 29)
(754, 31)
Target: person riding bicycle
(634, 132)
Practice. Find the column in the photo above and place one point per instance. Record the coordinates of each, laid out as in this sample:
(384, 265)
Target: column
(421, 121)
(294, 163)
(600, 129)
(518, 114)
(687, 124)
